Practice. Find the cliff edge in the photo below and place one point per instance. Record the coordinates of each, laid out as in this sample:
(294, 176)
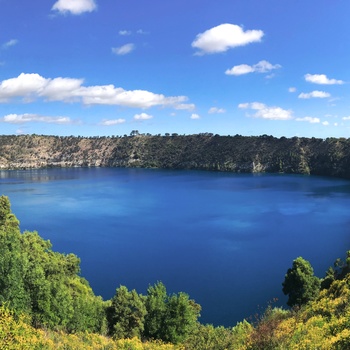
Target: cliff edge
(243, 154)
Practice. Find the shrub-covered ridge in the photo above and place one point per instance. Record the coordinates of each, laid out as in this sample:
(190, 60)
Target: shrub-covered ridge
(203, 151)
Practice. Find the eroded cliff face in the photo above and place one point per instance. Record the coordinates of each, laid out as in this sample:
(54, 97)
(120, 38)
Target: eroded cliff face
(204, 151)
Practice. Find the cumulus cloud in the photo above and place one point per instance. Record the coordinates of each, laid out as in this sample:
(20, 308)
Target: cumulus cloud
(311, 120)
(10, 43)
(321, 79)
(110, 122)
(314, 94)
(260, 67)
(346, 118)
(29, 87)
(62, 89)
(214, 110)
(143, 116)
(292, 89)
(24, 85)
(26, 118)
(240, 70)
(123, 50)
(110, 95)
(75, 7)
(224, 37)
(267, 112)
(325, 123)
(195, 116)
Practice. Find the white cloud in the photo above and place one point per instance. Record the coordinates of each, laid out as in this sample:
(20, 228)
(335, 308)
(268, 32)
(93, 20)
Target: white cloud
(75, 7)
(142, 116)
(321, 79)
(62, 89)
(124, 32)
(24, 85)
(260, 67)
(123, 50)
(267, 112)
(240, 70)
(109, 122)
(346, 118)
(26, 118)
(265, 66)
(213, 110)
(10, 43)
(292, 89)
(314, 94)
(109, 95)
(223, 37)
(185, 106)
(325, 123)
(243, 105)
(195, 116)
(311, 120)
(29, 87)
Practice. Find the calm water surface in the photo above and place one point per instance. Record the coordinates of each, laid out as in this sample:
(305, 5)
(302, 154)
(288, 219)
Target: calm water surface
(225, 239)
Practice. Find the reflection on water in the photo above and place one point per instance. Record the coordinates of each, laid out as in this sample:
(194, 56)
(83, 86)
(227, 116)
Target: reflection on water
(39, 175)
(225, 239)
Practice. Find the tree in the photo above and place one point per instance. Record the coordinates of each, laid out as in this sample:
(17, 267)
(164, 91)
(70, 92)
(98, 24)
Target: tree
(59, 297)
(44, 284)
(170, 318)
(156, 311)
(181, 318)
(342, 268)
(134, 133)
(329, 278)
(126, 314)
(300, 284)
(12, 289)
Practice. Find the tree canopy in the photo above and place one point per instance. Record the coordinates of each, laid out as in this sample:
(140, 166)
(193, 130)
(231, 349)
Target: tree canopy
(300, 283)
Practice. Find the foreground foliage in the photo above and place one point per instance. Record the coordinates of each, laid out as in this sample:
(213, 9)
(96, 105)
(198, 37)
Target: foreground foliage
(17, 334)
(44, 284)
(46, 304)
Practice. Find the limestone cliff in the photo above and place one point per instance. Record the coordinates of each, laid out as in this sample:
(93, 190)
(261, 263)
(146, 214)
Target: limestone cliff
(203, 151)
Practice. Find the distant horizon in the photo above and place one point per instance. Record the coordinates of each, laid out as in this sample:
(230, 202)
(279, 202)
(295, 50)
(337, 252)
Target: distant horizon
(249, 67)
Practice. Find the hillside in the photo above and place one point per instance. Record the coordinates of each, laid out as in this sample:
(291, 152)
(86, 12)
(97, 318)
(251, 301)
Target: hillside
(237, 153)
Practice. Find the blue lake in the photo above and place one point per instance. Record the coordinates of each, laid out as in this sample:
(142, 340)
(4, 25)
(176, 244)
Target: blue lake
(225, 239)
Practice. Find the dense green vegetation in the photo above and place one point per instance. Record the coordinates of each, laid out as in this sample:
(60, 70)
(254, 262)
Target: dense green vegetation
(46, 304)
(202, 151)
(300, 283)
(46, 287)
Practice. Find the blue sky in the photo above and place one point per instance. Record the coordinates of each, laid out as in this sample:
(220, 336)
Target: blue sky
(107, 67)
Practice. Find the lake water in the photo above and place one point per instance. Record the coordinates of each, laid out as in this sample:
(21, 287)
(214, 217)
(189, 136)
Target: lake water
(225, 239)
